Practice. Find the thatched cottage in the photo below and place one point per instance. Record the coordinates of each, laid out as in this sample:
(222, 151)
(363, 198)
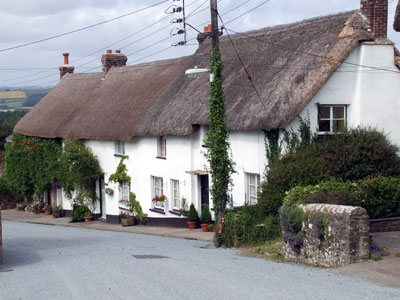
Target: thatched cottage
(338, 69)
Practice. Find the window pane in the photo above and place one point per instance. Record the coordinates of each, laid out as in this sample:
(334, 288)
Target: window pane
(338, 125)
(324, 112)
(338, 112)
(324, 125)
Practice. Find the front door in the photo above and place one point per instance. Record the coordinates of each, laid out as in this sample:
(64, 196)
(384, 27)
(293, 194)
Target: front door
(205, 199)
(102, 198)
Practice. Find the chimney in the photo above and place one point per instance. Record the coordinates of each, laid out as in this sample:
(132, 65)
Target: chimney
(201, 37)
(110, 60)
(66, 68)
(377, 13)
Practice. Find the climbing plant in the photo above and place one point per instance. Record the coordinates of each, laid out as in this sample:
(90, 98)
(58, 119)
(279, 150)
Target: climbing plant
(121, 174)
(218, 147)
(273, 147)
(79, 170)
(32, 164)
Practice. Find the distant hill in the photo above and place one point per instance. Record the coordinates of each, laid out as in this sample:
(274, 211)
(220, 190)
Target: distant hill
(21, 97)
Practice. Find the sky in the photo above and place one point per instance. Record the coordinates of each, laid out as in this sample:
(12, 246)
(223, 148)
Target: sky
(145, 35)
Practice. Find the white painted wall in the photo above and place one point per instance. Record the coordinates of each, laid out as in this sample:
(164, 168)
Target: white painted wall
(372, 96)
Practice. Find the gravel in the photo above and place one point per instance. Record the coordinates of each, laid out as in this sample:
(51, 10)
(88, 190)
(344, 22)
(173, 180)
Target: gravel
(52, 262)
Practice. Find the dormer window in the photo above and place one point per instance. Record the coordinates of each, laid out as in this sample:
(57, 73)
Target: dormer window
(119, 148)
(162, 147)
(331, 119)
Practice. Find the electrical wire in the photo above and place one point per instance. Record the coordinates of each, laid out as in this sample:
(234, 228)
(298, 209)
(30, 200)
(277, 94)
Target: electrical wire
(83, 28)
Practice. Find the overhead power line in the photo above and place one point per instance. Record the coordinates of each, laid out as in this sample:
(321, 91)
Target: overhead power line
(83, 28)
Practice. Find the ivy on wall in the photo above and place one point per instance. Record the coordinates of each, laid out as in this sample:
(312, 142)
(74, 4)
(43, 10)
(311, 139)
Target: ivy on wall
(32, 164)
(121, 173)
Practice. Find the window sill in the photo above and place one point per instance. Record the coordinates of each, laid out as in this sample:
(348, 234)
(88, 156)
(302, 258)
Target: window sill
(119, 155)
(175, 212)
(158, 210)
(161, 157)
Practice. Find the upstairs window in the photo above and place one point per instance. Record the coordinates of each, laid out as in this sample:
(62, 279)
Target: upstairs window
(252, 185)
(332, 118)
(162, 147)
(119, 148)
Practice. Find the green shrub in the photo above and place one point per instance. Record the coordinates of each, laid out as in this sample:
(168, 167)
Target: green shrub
(291, 218)
(248, 225)
(193, 216)
(205, 216)
(380, 197)
(79, 212)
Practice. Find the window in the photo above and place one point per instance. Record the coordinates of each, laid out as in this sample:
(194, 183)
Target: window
(175, 194)
(331, 118)
(124, 191)
(252, 184)
(162, 147)
(119, 148)
(157, 190)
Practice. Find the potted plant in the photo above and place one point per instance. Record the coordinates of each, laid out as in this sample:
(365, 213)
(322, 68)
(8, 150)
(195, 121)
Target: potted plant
(88, 216)
(211, 227)
(126, 219)
(131, 210)
(48, 210)
(205, 217)
(184, 207)
(192, 217)
(57, 211)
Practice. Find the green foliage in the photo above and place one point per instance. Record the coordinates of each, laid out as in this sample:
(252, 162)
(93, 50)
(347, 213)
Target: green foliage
(192, 216)
(291, 218)
(380, 197)
(79, 212)
(5, 188)
(134, 208)
(79, 169)
(7, 123)
(205, 216)
(32, 164)
(216, 140)
(121, 174)
(248, 225)
(272, 146)
(349, 156)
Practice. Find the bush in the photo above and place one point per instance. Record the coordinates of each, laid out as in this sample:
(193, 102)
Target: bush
(193, 216)
(349, 156)
(79, 212)
(380, 197)
(241, 227)
(205, 216)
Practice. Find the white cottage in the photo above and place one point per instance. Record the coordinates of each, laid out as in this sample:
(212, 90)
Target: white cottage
(340, 70)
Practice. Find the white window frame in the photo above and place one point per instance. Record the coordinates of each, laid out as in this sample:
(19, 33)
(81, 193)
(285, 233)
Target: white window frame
(251, 198)
(157, 188)
(124, 191)
(162, 146)
(331, 118)
(119, 147)
(175, 194)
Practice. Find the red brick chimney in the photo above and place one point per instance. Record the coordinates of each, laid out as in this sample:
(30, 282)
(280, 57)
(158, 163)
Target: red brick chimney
(201, 37)
(377, 13)
(110, 60)
(66, 68)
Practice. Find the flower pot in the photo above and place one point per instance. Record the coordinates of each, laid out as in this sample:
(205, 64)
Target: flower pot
(128, 221)
(192, 225)
(204, 226)
(48, 212)
(211, 229)
(88, 219)
(38, 211)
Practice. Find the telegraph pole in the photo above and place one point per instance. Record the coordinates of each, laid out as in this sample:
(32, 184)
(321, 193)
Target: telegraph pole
(214, 23)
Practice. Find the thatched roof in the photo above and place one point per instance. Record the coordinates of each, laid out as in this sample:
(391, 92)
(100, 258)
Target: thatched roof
(288, 64)
(396, 23)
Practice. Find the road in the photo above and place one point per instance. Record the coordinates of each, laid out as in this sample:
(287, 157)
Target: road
(53, 262)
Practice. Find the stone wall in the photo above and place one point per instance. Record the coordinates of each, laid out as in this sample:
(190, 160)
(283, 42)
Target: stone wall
(345, 237)
(384, 225)
(1, 243)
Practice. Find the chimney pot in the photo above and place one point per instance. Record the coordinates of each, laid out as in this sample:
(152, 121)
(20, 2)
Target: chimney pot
(110, 60)
(66, 68)
(65, 58)
(109, 51)
(209, 27)
(118, 51)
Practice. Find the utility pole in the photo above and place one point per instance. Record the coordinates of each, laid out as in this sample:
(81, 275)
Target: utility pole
(214, 23)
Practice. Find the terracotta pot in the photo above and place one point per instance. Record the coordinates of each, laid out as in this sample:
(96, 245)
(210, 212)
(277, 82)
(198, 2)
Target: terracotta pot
(88, 219)
(38, 211)
(129, 221)
(204, 226)
(192, 225)
(48, 212)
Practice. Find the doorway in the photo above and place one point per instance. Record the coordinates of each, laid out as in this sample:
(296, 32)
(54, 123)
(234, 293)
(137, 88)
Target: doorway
(204, 190)
(102, 194)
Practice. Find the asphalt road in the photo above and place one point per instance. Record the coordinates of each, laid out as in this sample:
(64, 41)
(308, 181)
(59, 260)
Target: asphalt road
(52, 262)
